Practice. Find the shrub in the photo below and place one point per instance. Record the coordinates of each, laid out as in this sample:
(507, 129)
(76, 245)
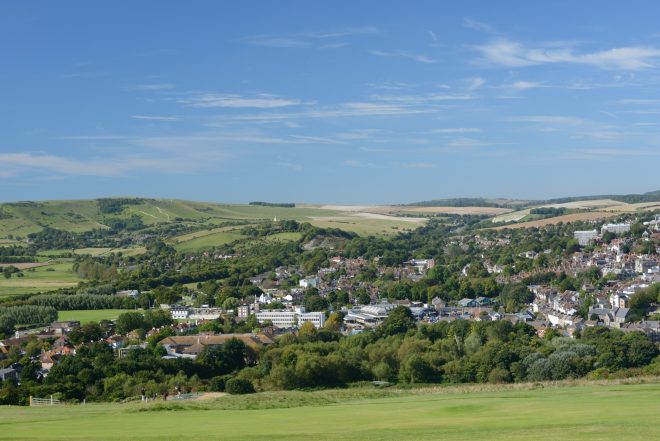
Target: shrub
(238, 386)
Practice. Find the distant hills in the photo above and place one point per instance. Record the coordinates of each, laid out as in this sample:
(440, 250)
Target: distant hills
(517, 204)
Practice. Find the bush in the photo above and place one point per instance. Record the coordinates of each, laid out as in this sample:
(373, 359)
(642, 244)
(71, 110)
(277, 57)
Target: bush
(239, 386)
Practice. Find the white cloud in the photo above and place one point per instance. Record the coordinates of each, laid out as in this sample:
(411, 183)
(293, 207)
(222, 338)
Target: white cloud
(514, 54)
(524, 85)
(261, 101)
(433, 36)
(475, 83)
(404, 54)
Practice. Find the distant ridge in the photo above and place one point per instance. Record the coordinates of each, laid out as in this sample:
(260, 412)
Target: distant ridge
(651, 196)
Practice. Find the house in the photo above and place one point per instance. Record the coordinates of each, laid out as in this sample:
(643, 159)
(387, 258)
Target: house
(438, 303)
(483, 301)
(190, 346)
(8, 374)
(49, 359)
(468, 303)
(128, 293)
(64, 327)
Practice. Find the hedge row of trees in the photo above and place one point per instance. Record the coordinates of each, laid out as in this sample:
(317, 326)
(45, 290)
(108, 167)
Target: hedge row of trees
(399, 351)
(25, 315)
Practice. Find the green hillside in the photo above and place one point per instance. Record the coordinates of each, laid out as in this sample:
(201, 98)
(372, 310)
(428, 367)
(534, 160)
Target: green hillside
(593, 412)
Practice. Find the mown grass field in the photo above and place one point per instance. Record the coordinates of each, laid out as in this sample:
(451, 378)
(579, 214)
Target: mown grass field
(86, 316)
(587, 412)
(41, 279)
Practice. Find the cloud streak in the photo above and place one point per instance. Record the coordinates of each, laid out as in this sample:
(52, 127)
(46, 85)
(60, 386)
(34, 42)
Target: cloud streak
(510, 53)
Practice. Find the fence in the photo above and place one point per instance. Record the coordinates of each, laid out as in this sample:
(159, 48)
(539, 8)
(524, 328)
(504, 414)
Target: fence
(44, 401)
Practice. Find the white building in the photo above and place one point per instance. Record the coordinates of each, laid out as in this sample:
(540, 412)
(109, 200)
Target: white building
(615, 228)
(179, 312)
(584, 237)
(310, 282)
(290, 319)
(369, 316)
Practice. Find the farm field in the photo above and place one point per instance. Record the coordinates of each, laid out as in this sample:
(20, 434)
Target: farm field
(605, 411)
(93, 315)
(587, 216)
(43, 278)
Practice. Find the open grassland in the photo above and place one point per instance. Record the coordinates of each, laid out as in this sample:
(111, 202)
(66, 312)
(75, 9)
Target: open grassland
(20, 219)
(216, 237)
(44, 278)
(606, 411)
(86, 316)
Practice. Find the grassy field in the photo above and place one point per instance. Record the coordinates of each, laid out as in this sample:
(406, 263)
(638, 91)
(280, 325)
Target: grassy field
(86, 316)
(44, 278)
(592, 412)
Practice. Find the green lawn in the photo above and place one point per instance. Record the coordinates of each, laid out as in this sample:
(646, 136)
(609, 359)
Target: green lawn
(43, 278)
(86, 316)
(593, 412)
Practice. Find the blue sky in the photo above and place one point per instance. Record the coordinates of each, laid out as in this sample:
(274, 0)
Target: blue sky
(328, 101)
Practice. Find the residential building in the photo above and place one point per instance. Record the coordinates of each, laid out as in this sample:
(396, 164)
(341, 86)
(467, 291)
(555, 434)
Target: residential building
(290, 319)
(585, 237)
(615, 228)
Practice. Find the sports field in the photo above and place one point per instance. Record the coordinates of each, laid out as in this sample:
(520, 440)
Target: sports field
(91, 315)
(592, 412)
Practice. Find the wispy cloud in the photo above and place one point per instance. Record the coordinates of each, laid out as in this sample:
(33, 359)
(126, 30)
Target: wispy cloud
(479, 26)
(550, 119)
(525, 85)
(305, 40)
(101, 167)
(454, 130)
(291, 166)
(404, 54)
(638, 101)
(155, 86)
(155, 117)
(260, 101)
(514, 54)
(280, 42)
(474, 83)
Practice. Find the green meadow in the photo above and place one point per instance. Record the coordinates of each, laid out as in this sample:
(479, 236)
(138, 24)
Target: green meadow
(40, 279)
(92, 315)
(596, 411)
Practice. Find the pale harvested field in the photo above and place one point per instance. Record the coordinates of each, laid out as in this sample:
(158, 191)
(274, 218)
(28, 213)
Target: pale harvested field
(631, 208)
(25, 265)
(585, 205)
(594, 215)
(387, 209)
(491, 211)
(414, 220)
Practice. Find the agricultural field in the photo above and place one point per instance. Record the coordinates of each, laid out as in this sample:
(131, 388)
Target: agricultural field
(585, 216)
(92, 315)
(597, 411)
(41, 279)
